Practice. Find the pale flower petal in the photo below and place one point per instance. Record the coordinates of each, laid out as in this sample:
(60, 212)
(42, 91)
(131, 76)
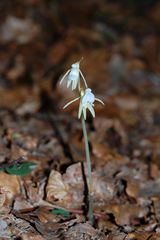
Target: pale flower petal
(87, 102)
(91, 109)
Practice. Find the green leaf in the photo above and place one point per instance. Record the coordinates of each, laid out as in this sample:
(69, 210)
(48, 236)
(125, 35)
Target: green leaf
(2, 169)
(21, 169)
(61, 212)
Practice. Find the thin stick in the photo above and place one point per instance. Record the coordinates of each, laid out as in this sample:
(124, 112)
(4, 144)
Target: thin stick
(90, 182)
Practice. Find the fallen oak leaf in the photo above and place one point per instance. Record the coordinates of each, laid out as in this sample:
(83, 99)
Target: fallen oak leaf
(56, 188)
(126, 214)
(141, 236)
(9, 188)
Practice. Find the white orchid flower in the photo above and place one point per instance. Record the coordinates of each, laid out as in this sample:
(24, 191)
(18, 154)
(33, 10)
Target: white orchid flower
(87, 100)
(74, 76)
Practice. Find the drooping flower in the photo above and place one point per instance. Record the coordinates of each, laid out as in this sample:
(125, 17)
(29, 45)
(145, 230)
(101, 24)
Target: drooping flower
(73, 76)
(87, 100)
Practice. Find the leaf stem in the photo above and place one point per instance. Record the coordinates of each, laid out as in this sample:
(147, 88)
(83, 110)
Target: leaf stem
(90, 182)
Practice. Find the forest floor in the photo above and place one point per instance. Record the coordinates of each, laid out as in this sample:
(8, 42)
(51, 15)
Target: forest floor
(43, 171)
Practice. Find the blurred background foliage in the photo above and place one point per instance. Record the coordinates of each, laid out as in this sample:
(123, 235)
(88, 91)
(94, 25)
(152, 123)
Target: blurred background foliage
(119, 41)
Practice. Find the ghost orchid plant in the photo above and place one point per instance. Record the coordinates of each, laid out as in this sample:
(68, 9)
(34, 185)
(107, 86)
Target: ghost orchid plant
(86, 102)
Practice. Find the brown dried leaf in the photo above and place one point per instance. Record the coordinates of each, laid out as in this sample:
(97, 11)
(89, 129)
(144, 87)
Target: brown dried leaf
(103, 186)
(83, 231)
(73, 179)
(140, 236)
(126, 214)
(9, 188)
(56, 188)
(154, 171)
(68, 190)
(52, 230)
(132, 188)
(32, 236)
(117, 236)
(21, 204)
(104, 224)
(34, 193)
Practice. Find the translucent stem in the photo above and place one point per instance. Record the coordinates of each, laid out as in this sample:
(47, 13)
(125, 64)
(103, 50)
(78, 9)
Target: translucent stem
(90, 182)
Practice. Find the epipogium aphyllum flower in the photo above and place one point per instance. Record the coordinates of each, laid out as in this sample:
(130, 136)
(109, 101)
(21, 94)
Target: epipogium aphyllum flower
(73, 76)
(87, 99)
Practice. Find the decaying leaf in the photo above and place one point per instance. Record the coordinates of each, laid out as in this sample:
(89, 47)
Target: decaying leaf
(132, 188)
(37, 46)
(126, 214)
(83, 231)
(143, 236)
(66, 190)
(56, 188)
(32, 236)
(9, 188)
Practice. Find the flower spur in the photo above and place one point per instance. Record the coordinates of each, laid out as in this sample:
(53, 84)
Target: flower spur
(73, 77)
(87, 100)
